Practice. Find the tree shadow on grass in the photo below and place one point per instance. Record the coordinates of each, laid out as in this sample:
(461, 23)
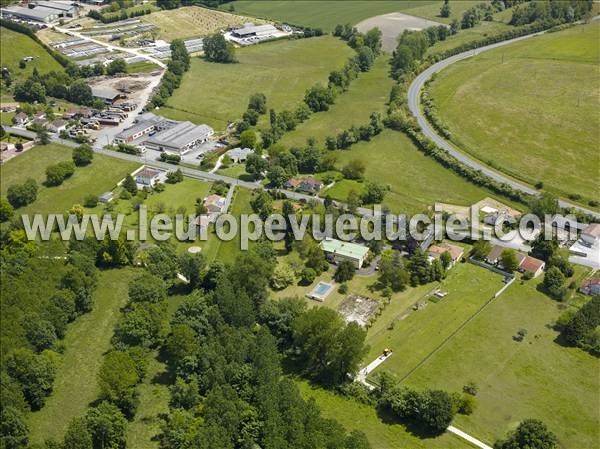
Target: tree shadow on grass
(413, 427)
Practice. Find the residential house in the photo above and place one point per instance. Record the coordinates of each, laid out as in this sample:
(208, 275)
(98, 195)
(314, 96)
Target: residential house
(308, 184)
(215, 204)
(532, 265)
(591, 287)
(338, 251)
(8, 107)
(456, 252)
(494, 256)
(147, 177)
(20, 119)
(202, 222)
(239, 155)
(57, 126)
(41, 115)
(591, 234)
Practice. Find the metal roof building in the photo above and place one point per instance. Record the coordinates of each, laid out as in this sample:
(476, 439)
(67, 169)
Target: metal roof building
(37, 14)
(338, 251)
(180, 138)
(249, 30)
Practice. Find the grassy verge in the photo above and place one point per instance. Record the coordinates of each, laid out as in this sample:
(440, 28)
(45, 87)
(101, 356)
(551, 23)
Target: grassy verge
(282, 70)
(85, 343)
(98, 177)
(553, 78)
(535, 378)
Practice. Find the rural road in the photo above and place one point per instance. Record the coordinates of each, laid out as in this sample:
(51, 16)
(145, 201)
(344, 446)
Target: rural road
(414, 100)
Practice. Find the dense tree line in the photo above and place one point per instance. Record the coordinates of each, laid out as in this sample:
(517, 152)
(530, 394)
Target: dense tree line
(218, 49)
(582, 328)
(171, 80)
(412, 46)
(431, 409)
(552, 11)
(35, 316)
(354, 134)
(123, 15)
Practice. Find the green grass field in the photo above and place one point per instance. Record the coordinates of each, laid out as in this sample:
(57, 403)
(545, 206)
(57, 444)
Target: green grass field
(536, 378)
(530, 109)
(15, 46)
(369, 93)
(412, 338)
(381, 432)
(215, 93)
(417, 181)
(98, 177)
(326, 14)
(227, 251)
(85, 343)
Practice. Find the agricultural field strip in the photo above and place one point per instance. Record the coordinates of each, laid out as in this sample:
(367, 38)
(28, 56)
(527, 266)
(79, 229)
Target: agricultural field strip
(414, 93)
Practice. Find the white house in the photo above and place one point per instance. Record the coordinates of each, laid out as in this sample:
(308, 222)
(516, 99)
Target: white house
(147, 177)
(215, 204)
(591, 234)
(338, 251)
(239, 155)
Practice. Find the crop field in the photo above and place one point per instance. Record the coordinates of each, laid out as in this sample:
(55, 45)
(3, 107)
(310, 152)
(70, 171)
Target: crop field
(368, 93)
(191, 21)
(381, 431)
(85, 343)
(416, 181)
(16, 46)
(535, 378)
(215, 93)
(325, 14)
(530, 109)
(412, 338)
(85, 180)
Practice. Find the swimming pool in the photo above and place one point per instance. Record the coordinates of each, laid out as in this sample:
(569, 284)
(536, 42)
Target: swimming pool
(321, 291)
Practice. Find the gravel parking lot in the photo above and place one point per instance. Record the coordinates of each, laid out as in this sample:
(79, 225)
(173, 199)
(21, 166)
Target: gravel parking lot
(392, 25)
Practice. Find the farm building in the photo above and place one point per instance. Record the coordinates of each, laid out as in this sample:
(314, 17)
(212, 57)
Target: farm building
(180, 138)
(36, 14)
(106, 94)
(138, 130)
(251, 30)
(338, 251)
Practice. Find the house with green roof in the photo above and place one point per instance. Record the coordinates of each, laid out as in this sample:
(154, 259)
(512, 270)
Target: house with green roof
(337, 251)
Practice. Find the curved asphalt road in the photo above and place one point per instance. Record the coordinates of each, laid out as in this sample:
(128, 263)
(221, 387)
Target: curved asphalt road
(414, 94)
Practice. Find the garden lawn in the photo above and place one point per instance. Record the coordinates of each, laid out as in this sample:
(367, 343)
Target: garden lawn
(366, 94)
(15, 46)
(325, 14)
(530, 109)
(100, 176)
(227, 251)
(414, 337)
(283, 70)
(381, 431)
(535, 378)
(417, 181)
(86, 341)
